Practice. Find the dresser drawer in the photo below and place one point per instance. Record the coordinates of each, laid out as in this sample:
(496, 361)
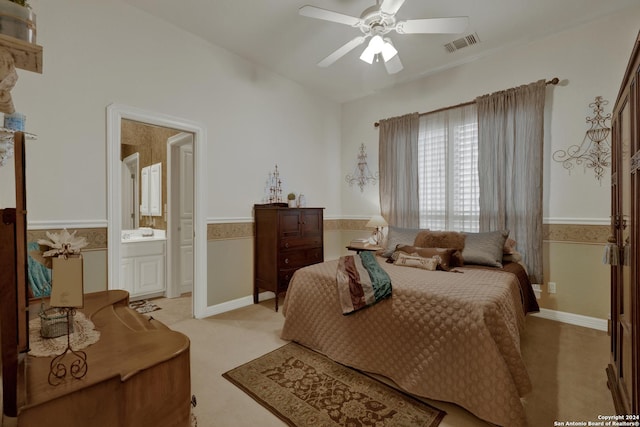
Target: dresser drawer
(300, 242)
(300, 258)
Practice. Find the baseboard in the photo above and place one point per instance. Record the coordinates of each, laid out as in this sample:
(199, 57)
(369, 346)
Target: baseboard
(212, 310)
(573, 319)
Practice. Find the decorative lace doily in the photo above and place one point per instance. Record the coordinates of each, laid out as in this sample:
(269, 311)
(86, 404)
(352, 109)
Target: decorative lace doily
(84, 334)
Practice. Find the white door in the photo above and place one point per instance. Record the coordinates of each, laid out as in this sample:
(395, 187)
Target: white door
(186, 217)
(181, 202)
(127, 198)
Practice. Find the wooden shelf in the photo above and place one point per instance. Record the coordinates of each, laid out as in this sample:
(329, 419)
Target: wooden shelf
(27, 56)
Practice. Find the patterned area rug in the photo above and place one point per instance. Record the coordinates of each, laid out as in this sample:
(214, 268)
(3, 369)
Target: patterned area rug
(144, 306)
(305, 388)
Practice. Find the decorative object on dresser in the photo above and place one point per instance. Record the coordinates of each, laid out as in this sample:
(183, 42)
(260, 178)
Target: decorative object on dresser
(302, 201)
(361, 173)
(286, 239)
(274, 187)
(291, 197)
(595, 150)
(622, 372)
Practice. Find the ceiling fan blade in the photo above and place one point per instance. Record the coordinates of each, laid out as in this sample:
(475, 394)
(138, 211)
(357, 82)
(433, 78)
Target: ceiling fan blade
(433, 25)
(328, 15)
(342, 51)
(394, 65)
(390, 7)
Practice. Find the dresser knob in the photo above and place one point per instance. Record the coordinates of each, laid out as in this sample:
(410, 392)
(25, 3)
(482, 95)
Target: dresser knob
(286, 245)
(286, 260)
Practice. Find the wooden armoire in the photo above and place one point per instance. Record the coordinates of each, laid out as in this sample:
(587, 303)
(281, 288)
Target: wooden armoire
(623, 370)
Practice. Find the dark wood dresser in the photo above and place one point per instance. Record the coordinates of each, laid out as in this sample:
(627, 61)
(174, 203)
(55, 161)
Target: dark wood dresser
(286, 239)
(624, 369)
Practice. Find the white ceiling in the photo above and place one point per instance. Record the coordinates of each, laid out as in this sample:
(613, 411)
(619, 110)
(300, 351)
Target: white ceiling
(272, 33)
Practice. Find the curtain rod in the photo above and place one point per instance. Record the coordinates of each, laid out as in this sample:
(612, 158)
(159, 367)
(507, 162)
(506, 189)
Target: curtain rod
(554, 81)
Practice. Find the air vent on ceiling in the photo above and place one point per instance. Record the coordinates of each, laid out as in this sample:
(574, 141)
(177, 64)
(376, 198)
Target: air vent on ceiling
(462, 42)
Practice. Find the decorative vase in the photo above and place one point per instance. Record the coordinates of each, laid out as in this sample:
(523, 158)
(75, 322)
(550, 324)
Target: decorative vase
(17, 21)
(293, 203)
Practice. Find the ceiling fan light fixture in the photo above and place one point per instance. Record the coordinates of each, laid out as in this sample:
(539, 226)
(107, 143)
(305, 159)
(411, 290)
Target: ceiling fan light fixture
(368, 55)
(388, 51)
(376, 44)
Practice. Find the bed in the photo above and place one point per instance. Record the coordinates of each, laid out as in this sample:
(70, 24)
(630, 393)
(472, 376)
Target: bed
(445, 335)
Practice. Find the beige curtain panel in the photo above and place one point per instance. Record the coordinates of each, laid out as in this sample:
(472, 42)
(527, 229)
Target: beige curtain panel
(398, 145)
(510, 145)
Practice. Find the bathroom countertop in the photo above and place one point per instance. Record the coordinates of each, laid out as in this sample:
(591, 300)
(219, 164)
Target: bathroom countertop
(142, 235)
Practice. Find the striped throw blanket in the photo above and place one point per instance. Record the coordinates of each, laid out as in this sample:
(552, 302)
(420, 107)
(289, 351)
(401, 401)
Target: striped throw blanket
(361, 282)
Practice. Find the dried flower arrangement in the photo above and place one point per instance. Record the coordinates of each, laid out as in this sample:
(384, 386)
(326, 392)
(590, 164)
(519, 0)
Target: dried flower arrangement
(63, 244)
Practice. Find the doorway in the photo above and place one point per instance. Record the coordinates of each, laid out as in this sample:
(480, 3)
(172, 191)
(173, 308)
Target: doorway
(115, 114)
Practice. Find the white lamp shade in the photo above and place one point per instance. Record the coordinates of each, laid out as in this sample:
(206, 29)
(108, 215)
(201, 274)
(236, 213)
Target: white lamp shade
(376, 221)
(388, 51)
(368, 55)
(376, 44)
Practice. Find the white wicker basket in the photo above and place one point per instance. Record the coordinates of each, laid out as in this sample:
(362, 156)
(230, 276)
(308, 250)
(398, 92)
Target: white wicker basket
(53, 323)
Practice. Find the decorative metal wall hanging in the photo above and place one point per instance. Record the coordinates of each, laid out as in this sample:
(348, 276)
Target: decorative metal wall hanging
(361, 173)
(274, 187)
(595, 150)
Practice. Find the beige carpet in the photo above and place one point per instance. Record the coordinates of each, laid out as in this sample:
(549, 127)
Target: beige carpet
(566, 364)
(305, 388)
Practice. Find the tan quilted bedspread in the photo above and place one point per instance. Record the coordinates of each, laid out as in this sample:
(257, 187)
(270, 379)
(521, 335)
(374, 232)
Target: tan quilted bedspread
(446, 336)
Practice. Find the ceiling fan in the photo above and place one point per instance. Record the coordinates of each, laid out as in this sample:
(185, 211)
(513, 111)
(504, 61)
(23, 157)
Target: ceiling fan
(376, 22)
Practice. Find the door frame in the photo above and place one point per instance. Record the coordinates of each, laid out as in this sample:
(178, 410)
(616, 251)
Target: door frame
(115, 114)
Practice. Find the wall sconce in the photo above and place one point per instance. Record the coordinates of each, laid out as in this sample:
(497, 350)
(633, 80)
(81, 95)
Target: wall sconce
(377, 222)
(595, 150)
(361, 173)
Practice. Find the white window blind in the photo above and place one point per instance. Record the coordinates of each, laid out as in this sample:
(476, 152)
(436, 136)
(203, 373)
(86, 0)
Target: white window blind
(448, 169)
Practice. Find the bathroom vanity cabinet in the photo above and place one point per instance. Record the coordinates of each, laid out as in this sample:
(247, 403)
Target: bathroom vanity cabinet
(142, 269)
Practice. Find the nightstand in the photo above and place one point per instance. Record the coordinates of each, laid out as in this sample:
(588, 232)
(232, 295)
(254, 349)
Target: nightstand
(360, 248)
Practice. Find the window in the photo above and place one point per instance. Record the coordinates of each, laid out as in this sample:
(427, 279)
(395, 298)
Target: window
(448, 170)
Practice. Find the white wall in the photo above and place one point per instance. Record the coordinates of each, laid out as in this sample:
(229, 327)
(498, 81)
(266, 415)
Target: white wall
(97, 53)
(590, 60)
